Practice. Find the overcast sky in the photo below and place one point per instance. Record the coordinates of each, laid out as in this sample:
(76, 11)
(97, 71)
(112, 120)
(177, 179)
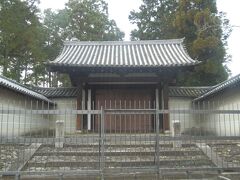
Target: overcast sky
(119, 11)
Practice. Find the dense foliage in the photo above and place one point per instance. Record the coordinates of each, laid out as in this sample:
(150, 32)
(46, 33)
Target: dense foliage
(205, 31)
(20, 39)
(88, 21)
(30, 39)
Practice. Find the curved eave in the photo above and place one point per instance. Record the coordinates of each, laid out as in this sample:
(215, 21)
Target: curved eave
(121, 66)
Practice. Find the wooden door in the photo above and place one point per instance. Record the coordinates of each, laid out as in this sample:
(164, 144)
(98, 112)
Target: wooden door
(125, 99)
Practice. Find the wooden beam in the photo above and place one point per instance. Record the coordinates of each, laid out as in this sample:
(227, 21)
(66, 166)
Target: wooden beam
(76, 69)
(118, 79)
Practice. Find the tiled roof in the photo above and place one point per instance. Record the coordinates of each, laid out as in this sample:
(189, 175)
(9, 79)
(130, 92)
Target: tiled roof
(187, 91)
(58, 92)
(150, 53)
(220, 87)
(15, 86)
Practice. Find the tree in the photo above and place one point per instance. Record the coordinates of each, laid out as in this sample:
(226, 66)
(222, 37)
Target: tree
(20, 37)
(201, 25)
(154, 20)
(27, 42)
(89, 21)
(55, 24)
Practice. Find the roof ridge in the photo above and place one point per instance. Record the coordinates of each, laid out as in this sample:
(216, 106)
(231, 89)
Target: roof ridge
(162, 41)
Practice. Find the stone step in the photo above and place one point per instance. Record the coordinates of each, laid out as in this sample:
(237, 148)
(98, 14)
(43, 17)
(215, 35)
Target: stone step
(43, 159)
(95, 164)
(223, 143)
(121, 153)
(123, 145)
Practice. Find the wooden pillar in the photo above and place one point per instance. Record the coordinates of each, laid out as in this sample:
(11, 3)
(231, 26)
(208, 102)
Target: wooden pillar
(83, 98)
(158, 101)
(159, 104)
(79, 123)
(165, 92)
(89, 100)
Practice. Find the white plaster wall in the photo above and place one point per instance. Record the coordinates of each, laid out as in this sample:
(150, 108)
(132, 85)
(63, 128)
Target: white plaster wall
(187, 120)
(69, 119)
(223, 124)
(15, 124)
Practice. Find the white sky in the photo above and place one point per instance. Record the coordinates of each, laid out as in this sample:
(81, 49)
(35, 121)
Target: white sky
(119, 11)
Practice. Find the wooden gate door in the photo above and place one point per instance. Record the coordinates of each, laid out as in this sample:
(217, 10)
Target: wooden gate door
(125, 99)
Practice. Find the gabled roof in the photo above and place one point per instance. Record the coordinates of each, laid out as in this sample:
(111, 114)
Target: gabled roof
(150, 53)
(15, 86)
(58, 92)
(234, 81)
(192, 92)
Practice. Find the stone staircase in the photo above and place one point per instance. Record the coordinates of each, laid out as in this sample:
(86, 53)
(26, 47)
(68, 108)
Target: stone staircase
(87, 157)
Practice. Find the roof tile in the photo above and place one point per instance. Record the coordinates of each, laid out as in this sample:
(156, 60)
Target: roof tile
(220, 87)
(58, 92)
(192, 92)
(151, 53)
(13, 85)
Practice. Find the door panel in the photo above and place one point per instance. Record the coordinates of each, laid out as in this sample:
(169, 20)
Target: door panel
(125, 99)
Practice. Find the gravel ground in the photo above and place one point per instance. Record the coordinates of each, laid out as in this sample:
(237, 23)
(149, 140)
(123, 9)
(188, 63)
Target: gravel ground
(228, 150)
(9, 154)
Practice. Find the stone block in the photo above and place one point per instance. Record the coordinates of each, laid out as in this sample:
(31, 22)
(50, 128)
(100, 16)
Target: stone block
(176, 132)
(59, 134)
